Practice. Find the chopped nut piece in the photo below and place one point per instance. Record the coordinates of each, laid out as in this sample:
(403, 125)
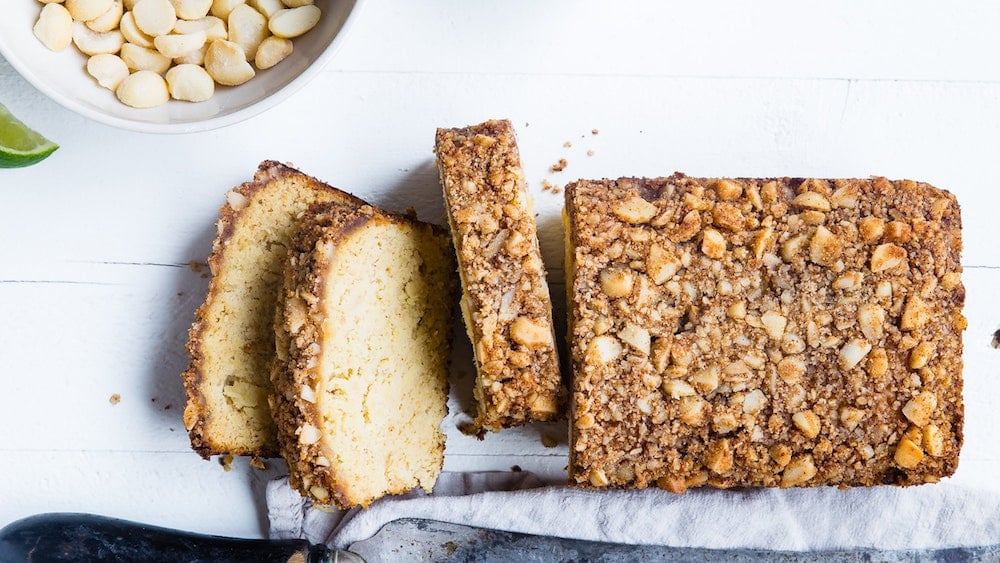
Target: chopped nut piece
(871, 229)
(933, 441)
(688, 228)
(908, 454)
(728, 190)
(871, 320)
(737, 310)
(533, 333)
(774, 324)
(677, 388)
(921, 354)
(661, 264)
(719, 457)
(807, 422)
(617, 282)
(852, 353)
(781, 454)
(713, 244)
(724, 423)
(845, 196)
(878, 364)
(916, 314)
(636, 337)
(824, 248)
(599, 478)
(634, 210)
(762, 241)
(309, 434)
(798, 471)
(887, 256)
(851, 417)
(918, 410)
(792, 247)
(754, 402)
(706, 380)
(603, 350)
(791, 368)
(728, 216)
(660, 354)
(849, 281)
(897, 231)
(693, 410)
(951, 280)
(811, 200)
(584, 422)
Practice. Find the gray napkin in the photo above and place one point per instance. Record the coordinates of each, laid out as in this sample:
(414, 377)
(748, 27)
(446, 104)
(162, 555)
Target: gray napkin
(928, 516)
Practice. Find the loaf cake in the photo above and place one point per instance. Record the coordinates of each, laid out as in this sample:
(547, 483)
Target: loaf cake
(763, 332)
(363, 329)
(231, 342)
(505, 301)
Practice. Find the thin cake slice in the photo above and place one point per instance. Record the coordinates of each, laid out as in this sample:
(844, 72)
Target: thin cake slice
(505, 302)
(764, 332)
(231, 342)
(363, 332)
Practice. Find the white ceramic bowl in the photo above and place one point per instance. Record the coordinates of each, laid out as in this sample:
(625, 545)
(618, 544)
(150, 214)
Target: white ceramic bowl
(62, 76)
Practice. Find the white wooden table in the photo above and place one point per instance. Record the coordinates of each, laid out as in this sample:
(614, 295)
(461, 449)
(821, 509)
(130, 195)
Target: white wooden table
(97, 291)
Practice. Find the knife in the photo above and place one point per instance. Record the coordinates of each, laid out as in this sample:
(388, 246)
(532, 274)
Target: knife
(87, 537)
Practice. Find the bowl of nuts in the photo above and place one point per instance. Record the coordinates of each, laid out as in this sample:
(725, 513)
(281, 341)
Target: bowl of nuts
(172, 66)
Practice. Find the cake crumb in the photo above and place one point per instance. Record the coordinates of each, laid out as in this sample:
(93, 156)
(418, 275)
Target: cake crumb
(195, 266)
(257, 463)
(594, 131)
(559, 166)
(470, 428)
(568, 144)
(590, 152)
(115, 399)
(996, 339)
(226, 462)
(549, 441)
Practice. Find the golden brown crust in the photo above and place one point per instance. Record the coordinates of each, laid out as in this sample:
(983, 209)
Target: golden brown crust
(506, 303)
(207, 433)
(296, 371)
(764, 332)
(294, 362)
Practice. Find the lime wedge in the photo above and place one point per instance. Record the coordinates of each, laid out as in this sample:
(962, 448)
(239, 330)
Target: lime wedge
(19, 145)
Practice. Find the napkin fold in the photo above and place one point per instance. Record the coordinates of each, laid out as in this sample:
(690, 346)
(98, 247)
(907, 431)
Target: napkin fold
(822, 518)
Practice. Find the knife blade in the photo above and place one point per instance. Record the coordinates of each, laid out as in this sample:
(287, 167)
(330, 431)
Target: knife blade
(74, 537)
(425, 540)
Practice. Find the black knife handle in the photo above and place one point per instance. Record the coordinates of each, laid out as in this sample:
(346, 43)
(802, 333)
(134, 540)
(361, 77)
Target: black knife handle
(89, 537)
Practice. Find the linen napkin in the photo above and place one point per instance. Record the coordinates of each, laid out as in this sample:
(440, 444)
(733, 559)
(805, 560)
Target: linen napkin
(822, 518)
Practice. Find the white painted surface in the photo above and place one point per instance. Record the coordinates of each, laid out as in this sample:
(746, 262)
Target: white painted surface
(95, 289)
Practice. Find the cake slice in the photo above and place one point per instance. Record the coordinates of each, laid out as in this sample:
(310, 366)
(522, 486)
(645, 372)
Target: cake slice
(505, 300)
(231, 342)
(764, 332)
(364, 332)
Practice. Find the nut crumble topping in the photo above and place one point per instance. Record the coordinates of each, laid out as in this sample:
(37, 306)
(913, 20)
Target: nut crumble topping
(763, 332)
(506, 303)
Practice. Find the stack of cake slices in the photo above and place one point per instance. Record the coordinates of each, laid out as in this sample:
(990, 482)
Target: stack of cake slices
(325, 337)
